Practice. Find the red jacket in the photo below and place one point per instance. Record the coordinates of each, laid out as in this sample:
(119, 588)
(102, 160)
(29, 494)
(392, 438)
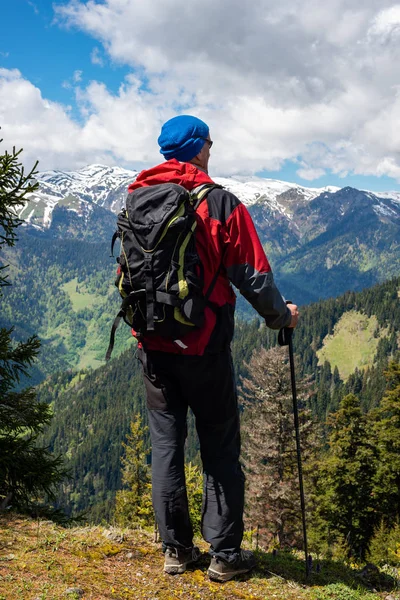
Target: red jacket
(226, 238)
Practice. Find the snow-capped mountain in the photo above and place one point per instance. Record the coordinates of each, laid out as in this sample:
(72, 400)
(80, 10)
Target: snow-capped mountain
(106, 187)
(80, 192)
(254, 190)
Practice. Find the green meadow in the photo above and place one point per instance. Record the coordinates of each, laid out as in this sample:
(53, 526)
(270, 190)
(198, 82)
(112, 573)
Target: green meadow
(353, 344)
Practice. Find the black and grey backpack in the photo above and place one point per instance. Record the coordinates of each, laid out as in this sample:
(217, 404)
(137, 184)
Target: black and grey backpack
(160, 276)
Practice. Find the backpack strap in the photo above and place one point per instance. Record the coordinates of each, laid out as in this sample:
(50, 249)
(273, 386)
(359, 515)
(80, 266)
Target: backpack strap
(148, 267)
(114, 328)
(211, 287)
(168, 299)
(201, 191)
(114, 239)
(130, 300)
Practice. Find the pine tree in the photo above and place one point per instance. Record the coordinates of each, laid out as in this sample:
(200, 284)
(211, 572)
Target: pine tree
(386, 424)
(346, 478)
(269, 450)
(133, 504)
(28, 473)
(14, 187)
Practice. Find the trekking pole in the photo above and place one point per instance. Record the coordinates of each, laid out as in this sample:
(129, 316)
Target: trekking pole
(285, 339)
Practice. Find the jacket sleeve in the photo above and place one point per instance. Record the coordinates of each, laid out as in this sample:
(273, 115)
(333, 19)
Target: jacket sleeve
(248, 268)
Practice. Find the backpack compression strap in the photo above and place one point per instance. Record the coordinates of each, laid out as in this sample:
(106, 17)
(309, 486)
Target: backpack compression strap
(114, 239)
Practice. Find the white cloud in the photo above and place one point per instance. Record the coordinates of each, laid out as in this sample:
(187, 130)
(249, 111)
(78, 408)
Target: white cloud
(42, 127)
(77, 76)
(386, 23)
(96, 57)
(114, 129)
(295, 80)
(310, 174)
(35, 8)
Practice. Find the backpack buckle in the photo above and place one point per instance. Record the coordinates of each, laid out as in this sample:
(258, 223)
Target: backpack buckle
(148, 259)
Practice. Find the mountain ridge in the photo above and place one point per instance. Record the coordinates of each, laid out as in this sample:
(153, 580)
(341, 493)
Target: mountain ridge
(107, 187)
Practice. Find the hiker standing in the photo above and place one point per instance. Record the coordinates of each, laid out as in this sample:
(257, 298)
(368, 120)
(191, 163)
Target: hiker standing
(196, 370)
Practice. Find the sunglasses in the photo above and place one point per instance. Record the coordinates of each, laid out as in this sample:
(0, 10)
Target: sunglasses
(210, 142)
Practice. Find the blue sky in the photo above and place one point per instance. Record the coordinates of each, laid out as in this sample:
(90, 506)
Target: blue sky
(48, 54)
(289, 91)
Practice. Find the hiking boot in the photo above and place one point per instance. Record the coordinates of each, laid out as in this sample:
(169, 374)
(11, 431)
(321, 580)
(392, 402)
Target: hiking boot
(176, 560)
(220, 570)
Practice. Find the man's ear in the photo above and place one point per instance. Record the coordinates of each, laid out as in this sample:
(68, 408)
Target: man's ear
(196, 159)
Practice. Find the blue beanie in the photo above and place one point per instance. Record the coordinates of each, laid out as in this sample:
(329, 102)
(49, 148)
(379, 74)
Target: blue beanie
(182, 137)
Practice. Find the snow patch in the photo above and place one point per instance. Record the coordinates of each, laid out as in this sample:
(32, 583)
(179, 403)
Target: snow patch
(386, 211)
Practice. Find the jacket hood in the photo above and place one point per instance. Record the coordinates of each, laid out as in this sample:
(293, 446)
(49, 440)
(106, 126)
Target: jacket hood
(171, 171)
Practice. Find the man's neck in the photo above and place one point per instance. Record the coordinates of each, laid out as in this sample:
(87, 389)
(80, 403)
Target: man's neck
(198, 167)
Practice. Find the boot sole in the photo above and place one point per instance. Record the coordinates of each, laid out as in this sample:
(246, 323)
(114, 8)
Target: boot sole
(178, 570)
(222, 577)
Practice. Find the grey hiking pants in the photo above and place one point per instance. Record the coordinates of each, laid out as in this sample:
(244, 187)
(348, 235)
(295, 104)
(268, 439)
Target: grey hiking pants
(206, 384)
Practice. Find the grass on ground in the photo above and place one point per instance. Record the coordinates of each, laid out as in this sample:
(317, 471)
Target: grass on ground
(41, 560)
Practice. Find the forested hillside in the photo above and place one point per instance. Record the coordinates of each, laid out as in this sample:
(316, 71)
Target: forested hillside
(93, 409)
(63, 291)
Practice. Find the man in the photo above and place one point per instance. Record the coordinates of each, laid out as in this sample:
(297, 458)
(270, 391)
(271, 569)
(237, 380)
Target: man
(197, 371)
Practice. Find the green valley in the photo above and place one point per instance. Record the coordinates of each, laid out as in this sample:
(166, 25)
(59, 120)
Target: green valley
(66, 288)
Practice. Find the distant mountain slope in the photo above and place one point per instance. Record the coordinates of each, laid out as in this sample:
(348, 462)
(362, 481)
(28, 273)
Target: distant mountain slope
(301, 213)
(62, 291)
(358, 244)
